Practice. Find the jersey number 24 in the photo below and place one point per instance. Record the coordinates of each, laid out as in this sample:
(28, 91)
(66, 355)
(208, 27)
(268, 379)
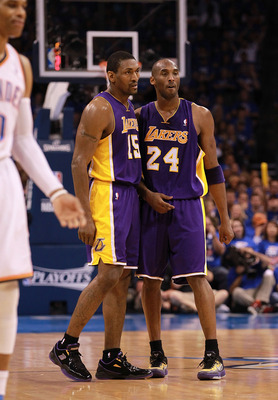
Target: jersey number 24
(171, 158)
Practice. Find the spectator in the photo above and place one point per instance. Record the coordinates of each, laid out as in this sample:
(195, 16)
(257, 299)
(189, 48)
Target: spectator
(259, 222)
(183, 301)
(272, 208)
(231, 198)
(243, 199)
(250, 285)
(237, 212)
(256, 205)
(269, 245)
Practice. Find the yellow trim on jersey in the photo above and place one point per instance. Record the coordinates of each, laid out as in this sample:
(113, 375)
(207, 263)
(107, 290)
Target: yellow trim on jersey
(166, 120)
(204, 224)
(102, 166)
(200, 171)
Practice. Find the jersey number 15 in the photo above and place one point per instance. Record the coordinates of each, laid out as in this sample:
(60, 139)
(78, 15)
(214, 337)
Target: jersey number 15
(133, 147)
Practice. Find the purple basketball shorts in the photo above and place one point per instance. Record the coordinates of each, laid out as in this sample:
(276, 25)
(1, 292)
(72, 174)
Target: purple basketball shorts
(177, 236)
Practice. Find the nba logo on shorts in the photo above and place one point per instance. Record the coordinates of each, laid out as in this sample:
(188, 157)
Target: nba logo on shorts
(59, 176)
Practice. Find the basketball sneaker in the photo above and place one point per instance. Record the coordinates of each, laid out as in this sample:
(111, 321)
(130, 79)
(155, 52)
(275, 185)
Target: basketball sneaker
(120, 368)
(158, 364)
(255, 307)
(69, 360)
(213, 367)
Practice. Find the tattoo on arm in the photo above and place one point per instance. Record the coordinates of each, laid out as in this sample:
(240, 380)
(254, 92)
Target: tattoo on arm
(93, 138)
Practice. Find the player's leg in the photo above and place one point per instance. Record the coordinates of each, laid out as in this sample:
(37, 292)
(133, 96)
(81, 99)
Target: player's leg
(113, 364)
(114, 309)
(152, 265)
(212, 363)
(188, 260)
(205, 303)
(65, 353)
(9, 295)
(151, 302)
(15, 260)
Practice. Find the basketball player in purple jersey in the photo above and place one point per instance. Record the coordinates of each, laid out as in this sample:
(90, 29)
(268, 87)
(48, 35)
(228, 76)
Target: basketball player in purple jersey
(107, 141)
(16, 139)
(179, 160)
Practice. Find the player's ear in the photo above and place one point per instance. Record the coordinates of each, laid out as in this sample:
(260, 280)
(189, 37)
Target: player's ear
(152, 80)
(111, 76)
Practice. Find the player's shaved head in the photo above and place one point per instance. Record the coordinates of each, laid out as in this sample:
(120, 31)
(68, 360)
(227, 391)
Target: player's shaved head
(164, 63)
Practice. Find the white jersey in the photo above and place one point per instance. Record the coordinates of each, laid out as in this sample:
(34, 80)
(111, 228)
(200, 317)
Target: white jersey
(15, 252)
(12, 88)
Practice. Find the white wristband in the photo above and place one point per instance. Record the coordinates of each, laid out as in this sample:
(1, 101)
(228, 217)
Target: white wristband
(58, 193)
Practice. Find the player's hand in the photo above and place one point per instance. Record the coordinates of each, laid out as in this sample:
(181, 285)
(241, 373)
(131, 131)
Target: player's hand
(87, 233)
(226, 233)
(69, 211)
(158, 201)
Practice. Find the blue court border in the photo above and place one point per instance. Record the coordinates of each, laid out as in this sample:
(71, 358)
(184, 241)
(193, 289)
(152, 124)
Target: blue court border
(136, 322)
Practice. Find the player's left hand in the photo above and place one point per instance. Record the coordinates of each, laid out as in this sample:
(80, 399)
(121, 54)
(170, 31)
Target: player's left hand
(69, 211)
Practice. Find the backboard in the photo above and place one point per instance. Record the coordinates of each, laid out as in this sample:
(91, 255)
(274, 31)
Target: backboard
(74, 37)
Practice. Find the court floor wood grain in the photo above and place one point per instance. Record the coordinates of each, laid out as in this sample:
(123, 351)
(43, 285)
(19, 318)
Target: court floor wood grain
(251, 360)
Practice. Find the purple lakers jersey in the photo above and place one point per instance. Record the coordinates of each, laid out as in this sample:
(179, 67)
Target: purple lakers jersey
(118, 158)
(171, 158)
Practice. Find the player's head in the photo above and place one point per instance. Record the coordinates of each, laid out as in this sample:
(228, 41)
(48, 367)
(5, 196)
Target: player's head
(123, 72)
(165, 78)
(115, 59)
(12, 17)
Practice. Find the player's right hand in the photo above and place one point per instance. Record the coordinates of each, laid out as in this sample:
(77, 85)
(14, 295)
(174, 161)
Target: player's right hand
(87, 233)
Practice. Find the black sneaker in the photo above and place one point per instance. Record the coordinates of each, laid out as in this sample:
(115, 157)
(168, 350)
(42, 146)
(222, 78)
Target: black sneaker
(158, 364)
(70, 362)
(120, 368)
(213, 367)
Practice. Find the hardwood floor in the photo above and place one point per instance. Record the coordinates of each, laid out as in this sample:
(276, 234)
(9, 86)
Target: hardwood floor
(250, 356)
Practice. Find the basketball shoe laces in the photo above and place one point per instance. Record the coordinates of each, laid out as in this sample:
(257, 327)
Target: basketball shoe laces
(126, 364)
(75, 357)
(208, 360)
(157, 358)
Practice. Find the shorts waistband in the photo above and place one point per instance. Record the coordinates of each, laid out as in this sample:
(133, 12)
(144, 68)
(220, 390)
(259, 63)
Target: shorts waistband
(114, 183)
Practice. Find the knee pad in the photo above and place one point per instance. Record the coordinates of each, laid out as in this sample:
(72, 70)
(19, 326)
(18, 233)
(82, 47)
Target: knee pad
(9, 296)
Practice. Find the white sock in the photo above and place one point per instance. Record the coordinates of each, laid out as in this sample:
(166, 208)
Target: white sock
(3, 381)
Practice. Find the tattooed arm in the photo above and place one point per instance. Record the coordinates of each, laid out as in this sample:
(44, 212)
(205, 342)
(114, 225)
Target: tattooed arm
(96, 123)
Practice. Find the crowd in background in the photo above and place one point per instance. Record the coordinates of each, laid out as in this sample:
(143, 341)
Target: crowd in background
(226, 39)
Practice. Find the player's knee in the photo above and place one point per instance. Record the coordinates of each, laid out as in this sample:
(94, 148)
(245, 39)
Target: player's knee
(126, 276)
(152, 284)
(198, 282)
(110, 278)
(9, 296)
(237, 294)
